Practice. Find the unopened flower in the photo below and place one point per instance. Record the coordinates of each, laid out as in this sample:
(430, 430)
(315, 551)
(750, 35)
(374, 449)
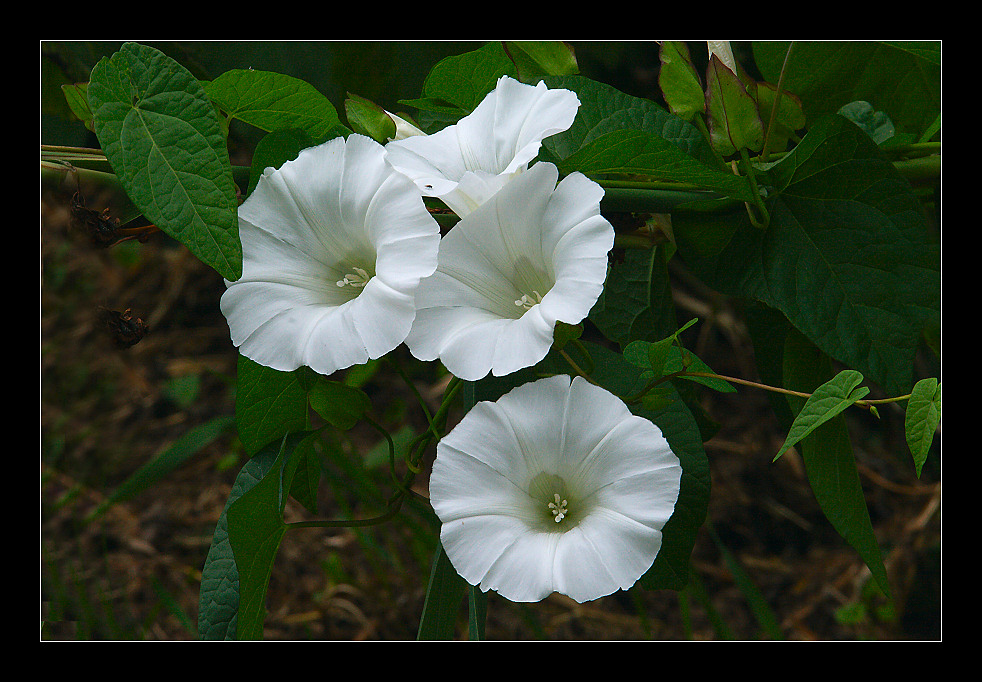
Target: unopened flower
(724, 52)
(334, 244)
(555, 487)
(404, 128)
(466, 163)
(534, 254)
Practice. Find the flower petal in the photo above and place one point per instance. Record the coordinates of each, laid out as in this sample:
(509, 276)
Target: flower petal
(334, 342)
(525, 115)
(591, 414)
(468, 347)
(271, 322)
(484, 489)
(497, 553)
(502, 454)
(473, 189)
(523, 342)
(382, 317)
(536, 413)
(523, 570)
(605, 552)
(634, 447)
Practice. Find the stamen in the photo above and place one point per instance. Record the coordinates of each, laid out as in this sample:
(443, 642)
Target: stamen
(358, 279)
(527, 301)
(558, 508)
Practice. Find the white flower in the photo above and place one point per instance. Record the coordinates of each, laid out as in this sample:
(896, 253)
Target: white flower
(466, 163)
(534, 254)
(334, 244)
(555, 487)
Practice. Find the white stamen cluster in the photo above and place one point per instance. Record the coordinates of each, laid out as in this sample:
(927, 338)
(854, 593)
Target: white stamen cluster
(357, 279)
(558, 508)
(527, 301)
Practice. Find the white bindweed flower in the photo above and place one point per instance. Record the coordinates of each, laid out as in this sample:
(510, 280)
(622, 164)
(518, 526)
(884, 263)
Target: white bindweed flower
(334, 244)
(533, 255)
(466, 163)
(555, 487)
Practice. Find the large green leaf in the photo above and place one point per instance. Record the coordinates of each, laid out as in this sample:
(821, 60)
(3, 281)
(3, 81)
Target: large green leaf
(444, 594)
(273, 101)
(339, 404)
(636, 303)
(901, 78)
(275, 149)
(847, 257)
(164, 140)
(829, 461)
(218, 598)
(268, 403)
(255, 529)
(464, 80)
(605, 109)
(617, 133)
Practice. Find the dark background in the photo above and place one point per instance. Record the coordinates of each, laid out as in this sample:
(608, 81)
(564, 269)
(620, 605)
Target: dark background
(134, 571)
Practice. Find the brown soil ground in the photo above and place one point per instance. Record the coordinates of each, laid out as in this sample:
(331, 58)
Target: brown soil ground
(134, 572)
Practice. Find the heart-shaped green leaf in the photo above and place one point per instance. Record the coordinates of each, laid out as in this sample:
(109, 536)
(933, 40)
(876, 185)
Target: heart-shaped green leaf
(825, 402)
(922, 418)
(164, 140)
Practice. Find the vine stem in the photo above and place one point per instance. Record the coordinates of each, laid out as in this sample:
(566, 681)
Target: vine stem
(576, 367)
(710, 375)
(734, 380)
(432, 433)
(395, 504)
(397, 366)
(351, 523)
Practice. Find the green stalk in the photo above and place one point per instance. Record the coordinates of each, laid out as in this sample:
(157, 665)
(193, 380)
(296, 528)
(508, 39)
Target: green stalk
(762, 219)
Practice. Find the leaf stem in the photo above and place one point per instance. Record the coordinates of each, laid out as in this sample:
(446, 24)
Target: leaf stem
(432, 433)
(391, 445)
(763, 219)
(397, 366)
(576, 367)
